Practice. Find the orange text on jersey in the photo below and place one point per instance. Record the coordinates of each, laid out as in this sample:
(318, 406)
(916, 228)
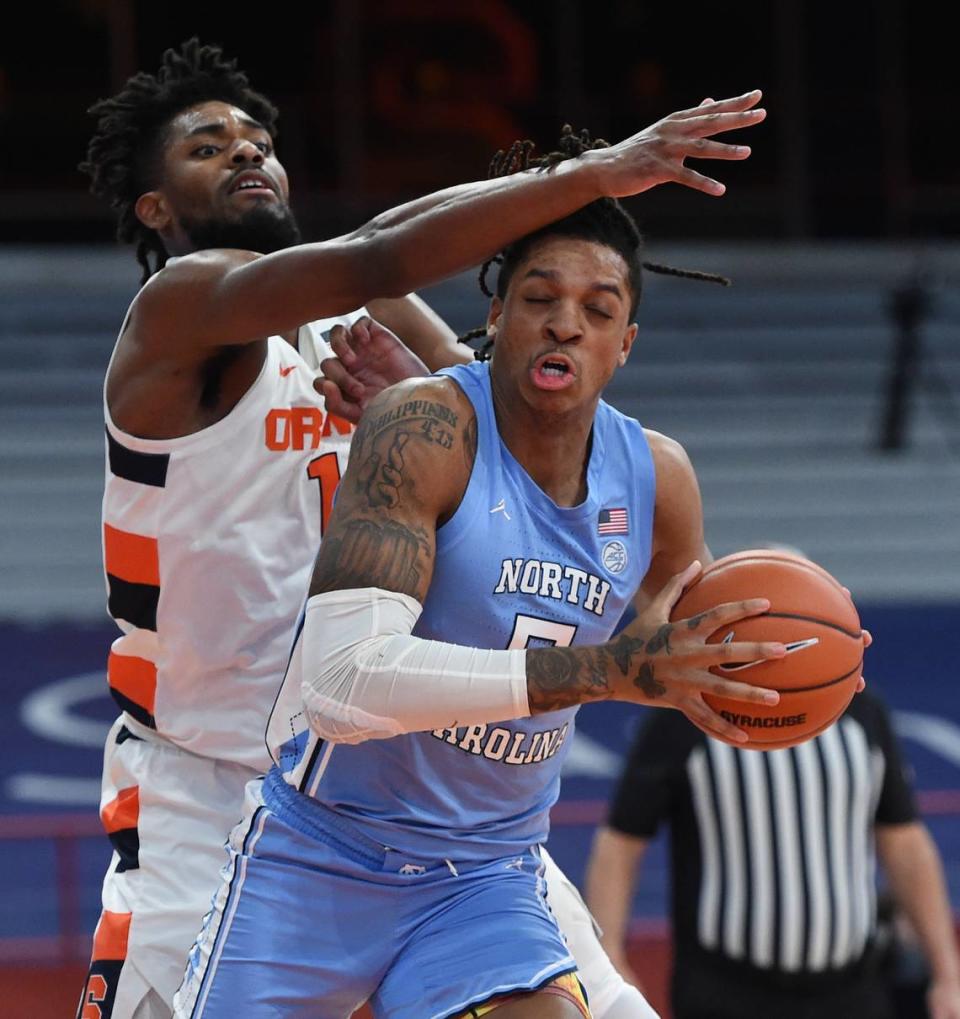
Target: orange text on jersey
(301, 428)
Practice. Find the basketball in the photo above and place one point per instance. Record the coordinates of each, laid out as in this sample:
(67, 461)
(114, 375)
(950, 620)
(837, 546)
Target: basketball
(812, 615)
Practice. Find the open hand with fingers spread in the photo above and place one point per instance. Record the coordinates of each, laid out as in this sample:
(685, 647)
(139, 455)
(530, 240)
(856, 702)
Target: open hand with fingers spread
(369, 358)
(656, 154)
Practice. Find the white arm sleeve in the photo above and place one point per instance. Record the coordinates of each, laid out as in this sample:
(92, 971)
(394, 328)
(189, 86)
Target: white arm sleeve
(365, 677)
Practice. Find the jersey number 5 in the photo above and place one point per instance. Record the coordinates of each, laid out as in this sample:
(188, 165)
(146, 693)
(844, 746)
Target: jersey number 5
(527, 628)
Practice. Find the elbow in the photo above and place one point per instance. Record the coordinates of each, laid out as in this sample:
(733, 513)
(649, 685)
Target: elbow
(336, 707)
(327, 717)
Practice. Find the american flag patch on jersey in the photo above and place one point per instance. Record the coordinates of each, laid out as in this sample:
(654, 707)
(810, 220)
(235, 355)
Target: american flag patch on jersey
(613, 521)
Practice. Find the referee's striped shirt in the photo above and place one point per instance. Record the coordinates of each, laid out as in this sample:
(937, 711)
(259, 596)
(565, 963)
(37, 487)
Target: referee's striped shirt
(772, 853)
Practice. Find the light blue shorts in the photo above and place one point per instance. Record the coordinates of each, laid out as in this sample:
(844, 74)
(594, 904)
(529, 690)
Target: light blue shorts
(313, 918)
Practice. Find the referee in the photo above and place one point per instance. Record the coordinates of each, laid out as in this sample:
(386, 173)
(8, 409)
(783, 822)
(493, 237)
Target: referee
(773, 869)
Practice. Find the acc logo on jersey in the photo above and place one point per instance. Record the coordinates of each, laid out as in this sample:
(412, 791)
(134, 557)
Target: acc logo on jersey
(614, 557)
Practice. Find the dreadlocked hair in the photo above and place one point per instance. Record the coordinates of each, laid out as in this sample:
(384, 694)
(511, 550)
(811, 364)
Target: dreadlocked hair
(605, 221)
(124, 154)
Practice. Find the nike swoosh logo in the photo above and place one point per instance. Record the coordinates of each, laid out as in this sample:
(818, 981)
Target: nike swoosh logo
(284, 372)
(792, 648)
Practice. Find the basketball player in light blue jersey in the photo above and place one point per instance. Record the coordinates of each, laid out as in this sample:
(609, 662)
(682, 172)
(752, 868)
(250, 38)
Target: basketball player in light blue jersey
(493, 525)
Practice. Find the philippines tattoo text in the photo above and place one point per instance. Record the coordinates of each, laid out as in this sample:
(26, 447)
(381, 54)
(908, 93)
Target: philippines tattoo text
(562, 677)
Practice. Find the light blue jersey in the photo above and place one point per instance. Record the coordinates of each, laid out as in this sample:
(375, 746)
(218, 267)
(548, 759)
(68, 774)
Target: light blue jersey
(513, 570)
(406, 871)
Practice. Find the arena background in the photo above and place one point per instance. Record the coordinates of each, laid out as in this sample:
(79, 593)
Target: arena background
(818, 397)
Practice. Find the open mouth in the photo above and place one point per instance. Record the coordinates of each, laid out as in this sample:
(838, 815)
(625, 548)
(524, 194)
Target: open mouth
(253, 184)
(553, 371)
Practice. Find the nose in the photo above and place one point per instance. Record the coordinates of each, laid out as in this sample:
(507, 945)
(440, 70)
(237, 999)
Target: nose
(563, 325)
(245, 151)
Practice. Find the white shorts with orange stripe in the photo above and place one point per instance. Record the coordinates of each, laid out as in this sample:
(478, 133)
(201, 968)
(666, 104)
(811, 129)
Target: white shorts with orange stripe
(609, 995)
(167, 813)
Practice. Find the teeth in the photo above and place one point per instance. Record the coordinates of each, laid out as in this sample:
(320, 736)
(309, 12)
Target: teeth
(553, 370)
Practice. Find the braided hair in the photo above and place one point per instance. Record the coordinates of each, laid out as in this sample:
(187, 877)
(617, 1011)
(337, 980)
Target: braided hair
(604, 220)
(124, 154)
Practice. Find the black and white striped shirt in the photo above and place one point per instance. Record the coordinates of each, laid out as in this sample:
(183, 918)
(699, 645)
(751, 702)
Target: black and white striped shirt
(772, 853)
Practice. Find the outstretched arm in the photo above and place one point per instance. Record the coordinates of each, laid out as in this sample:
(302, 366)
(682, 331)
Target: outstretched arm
(219, 297)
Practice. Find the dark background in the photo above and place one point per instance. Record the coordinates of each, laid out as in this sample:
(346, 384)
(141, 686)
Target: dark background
(384, 100)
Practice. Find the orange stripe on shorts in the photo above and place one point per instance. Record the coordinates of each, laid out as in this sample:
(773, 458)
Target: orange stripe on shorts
(123, 811)
(135, 678)
(131, 557)
(110, 940)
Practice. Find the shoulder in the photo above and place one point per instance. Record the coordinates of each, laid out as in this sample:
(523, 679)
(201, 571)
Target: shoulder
(432, 398)
(669, 456)
(183, 280)
(429, 426)
(676, 478)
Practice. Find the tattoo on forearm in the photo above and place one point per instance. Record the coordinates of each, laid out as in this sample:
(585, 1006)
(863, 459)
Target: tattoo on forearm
(562, 677)
(694, 621)
(365, 553)
(559, 677)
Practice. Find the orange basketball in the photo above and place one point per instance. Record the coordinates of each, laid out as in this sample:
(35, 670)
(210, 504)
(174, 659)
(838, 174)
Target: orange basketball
(809, 612)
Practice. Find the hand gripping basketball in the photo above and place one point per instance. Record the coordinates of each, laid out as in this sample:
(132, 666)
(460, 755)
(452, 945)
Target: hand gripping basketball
(811, 614)
(674, 667)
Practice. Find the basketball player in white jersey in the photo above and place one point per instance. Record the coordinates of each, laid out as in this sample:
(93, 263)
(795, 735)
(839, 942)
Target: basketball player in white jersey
(223, 458)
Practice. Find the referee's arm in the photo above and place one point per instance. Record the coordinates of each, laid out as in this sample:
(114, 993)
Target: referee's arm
(914, 871)
(612, 872)
(639, 805)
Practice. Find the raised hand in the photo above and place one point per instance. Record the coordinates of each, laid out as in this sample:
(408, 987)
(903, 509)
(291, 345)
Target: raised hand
(656, 154)
(369, 358)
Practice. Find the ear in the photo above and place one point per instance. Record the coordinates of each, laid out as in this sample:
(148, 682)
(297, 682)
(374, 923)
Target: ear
(628, 337)
(152, 210)
(493, 316)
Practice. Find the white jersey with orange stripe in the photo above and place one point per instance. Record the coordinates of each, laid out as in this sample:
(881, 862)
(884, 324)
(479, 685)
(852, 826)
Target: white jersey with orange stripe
(208, 542)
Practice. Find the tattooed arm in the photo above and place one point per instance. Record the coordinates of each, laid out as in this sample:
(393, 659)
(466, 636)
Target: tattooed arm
(367, 677)
(409, 466)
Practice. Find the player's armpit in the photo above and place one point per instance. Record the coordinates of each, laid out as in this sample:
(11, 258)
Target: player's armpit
(410, 464)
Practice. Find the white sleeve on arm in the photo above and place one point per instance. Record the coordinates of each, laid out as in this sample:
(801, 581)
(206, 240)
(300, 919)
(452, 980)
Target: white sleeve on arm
(365, 677)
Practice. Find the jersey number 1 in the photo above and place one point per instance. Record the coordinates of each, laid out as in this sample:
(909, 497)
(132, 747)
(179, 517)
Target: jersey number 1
(326, 470)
